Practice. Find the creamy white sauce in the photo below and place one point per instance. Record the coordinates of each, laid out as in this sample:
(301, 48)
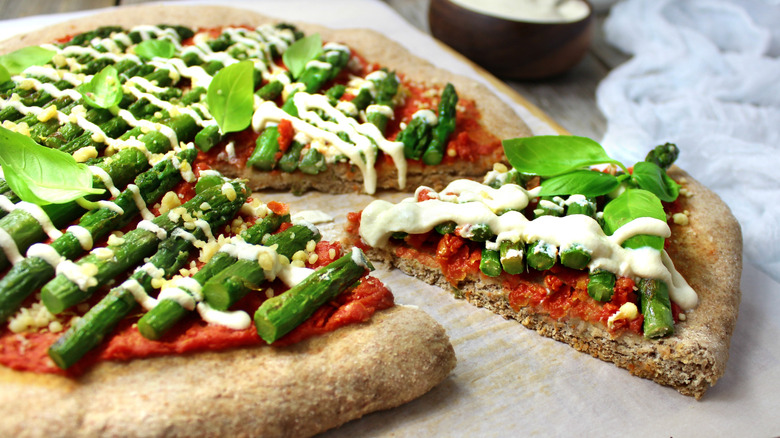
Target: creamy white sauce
(152, 228)
(545, 11)
(139, 202)
(6, 204)
(139, 294)
(364, 135)
(45, 253)
(236, 320)
(292, 275)
(473, 203)
(106, 179)
(41, 217)
(312, 217)
(83, 276)
(82, 235)
(9, 247)
(183, 298)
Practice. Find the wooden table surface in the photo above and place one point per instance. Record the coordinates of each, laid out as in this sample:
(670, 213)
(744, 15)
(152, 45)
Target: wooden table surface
(569, 99)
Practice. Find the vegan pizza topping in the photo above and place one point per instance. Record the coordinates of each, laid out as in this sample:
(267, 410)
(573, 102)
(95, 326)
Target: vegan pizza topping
(126, 117)
(578, 245)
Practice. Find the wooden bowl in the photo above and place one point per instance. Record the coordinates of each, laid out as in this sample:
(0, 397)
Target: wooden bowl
(508, 48)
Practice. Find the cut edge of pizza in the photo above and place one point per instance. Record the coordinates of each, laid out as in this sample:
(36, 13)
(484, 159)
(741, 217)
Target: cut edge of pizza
(580, 269)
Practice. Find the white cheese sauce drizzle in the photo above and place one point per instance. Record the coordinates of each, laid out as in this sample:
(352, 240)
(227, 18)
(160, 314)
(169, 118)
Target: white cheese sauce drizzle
(474, 203)
(139, 202)
(41, 217)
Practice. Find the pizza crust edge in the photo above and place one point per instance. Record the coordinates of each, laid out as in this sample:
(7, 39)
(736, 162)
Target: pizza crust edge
(300, 390)
(707, 252)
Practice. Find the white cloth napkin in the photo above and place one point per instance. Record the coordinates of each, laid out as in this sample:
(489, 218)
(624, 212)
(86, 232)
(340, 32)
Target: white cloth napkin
(705, 75)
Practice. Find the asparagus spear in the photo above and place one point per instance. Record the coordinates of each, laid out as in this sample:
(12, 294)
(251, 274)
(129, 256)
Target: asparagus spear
(434, 153)
(230, 285)
(290, 159)
(98, 322)
(601, 285)
(32, 272)
(168, 312)
(312, 162)
(656, 308)
(386, 89)
(415, 137)
(490, 263)
(541, 255)
(326, 67)
(83, 39)
(208, 137)
(279, 315)
(511, 254)
(61, 293)
(266, 148)
(446, 227)
(663, 155)
(576, 255)
(478, 232)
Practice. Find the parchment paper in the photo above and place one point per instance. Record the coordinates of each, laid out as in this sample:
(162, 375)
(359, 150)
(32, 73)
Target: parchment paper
(510, 381)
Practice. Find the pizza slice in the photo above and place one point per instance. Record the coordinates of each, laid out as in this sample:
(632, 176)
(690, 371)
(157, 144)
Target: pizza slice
(636, 266)
(301, 107)
(141, 287)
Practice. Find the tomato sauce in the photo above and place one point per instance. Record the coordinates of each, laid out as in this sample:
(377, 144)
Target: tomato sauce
(28, 351)
(559, 292)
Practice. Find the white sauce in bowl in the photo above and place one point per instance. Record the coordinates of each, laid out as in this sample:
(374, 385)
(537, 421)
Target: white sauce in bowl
(542, 11)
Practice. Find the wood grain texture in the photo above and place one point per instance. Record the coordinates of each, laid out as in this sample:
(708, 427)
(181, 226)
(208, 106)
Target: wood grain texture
(25, 8)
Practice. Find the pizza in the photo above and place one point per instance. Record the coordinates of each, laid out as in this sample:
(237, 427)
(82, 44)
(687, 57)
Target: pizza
(210, 372)
(591, 257)
(332, 149)
(135, 255)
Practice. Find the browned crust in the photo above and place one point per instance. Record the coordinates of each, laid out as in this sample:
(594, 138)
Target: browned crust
(300, 390)
(297, 391)
(498, 117)
(707, 252)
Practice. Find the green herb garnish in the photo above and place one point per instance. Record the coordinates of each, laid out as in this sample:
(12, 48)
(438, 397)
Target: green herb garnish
(301, 52)
(18, 60)
(652, 178)
(155, 49)
(633, 204)
(230, 99)
(580, 182)
(104, 89)
(551, 155)
(42, 175)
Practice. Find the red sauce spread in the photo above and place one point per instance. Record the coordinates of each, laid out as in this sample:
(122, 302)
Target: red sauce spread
(28, 351)
(559, 292)
(469, 142)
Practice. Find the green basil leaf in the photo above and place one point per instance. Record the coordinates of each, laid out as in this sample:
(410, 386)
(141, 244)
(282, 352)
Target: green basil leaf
(4, 75)
(652, 178)
(149, 49)
(17, 61)
(230, 96)
(633, 204)
(551, 155)
(42, 175)
(104, 89)
(301, 52)
(579, 182)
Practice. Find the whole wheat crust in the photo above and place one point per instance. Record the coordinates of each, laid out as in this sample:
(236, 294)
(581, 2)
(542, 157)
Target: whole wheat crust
(294, 391)
(497, 117)
(707, 252)
(301, 390)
